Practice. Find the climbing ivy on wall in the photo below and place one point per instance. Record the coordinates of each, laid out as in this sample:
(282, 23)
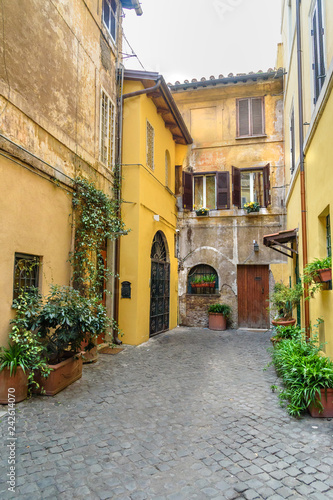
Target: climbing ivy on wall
(96, 220)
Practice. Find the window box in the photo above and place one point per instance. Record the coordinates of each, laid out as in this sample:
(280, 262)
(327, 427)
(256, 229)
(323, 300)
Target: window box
(202, 211)
(323, 275)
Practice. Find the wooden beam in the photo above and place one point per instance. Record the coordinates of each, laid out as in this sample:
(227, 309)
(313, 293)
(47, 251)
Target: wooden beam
(171, 125)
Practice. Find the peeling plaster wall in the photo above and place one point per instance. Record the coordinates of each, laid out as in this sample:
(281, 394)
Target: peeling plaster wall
(225, 238)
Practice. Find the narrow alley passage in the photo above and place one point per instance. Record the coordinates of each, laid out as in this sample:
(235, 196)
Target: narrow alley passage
(187, 415)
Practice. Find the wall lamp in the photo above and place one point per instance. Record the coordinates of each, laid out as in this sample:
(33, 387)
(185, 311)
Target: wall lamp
(255, 246)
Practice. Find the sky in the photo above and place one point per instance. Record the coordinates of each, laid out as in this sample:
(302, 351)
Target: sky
(185, 39)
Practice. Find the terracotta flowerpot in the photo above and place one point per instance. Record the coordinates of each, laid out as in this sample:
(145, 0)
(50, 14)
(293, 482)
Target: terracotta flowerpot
(217, 321)
(89, 356)
(283, 322)
(15, 386)
(327, 404)
(324, 275)
(62, 375)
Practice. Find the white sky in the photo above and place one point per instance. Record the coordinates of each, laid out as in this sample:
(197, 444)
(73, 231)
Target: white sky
(185, 39)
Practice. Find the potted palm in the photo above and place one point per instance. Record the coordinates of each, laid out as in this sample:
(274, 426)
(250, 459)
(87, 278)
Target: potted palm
(283, 300)
(14, 374)
(218, 314)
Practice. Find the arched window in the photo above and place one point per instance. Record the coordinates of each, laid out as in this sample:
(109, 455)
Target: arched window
(167, 169)
(202, 279)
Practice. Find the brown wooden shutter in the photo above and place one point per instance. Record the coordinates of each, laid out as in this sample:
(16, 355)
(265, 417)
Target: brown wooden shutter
(257, 108)
(223, 190)
(236, 187)
(187, 191)
(243, 117)
(267, 186)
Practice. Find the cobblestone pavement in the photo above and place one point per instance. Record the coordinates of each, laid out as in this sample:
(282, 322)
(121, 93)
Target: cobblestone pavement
(188, 415)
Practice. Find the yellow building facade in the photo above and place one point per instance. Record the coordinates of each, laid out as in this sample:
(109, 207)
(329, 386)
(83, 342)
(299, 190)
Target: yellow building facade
(154, 138)
(314, 91)
(58, 108)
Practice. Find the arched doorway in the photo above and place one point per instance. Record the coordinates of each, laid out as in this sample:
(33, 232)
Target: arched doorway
(159, 285)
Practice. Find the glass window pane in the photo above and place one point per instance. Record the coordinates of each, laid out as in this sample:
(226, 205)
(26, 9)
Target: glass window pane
(106, 14)
(245, 188)
(198, 192)
(210, 192)
(258, 187)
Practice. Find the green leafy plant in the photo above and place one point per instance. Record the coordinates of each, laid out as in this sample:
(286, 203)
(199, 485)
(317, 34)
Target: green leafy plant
(288, 332)
(202, 211)
(220, 309)
(67, 319)
(311, 273)
(209, 278)
(304, 372)
(96, 220)
(13, 357)
(284, 299)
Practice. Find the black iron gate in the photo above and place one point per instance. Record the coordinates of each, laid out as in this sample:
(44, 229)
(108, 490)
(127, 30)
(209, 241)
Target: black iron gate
(159, 287)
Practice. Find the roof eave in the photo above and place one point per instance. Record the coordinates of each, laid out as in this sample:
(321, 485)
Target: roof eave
(133, 4)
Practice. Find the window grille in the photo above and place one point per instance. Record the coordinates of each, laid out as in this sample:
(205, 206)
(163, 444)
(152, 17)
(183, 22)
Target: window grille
(107, 130)
(150, 145)
(199, 272)
(26, 273)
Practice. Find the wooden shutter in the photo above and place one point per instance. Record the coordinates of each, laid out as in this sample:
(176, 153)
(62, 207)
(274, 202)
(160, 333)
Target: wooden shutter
(187, 191)
(223, 190)
(236, 187)
(321, 45)
(257, 109)
(267, 186)
(243, 117)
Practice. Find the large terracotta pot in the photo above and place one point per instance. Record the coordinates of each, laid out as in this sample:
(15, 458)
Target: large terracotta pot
(217, 321)
(327, 404)
(62, 375)
(283, 322)
(14, 386)
(89, 356)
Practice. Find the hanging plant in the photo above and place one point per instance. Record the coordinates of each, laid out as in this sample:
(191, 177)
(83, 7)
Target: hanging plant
(96, 220)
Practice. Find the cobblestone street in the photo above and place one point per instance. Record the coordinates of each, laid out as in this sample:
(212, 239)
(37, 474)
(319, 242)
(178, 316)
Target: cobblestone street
(188, 415)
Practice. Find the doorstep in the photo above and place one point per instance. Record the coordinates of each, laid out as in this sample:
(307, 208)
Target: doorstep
(259, 330)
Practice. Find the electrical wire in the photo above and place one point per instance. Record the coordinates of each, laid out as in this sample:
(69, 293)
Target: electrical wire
(133, 53)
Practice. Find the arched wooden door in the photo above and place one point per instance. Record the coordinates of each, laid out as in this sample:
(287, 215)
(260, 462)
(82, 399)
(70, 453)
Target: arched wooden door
(159, 285)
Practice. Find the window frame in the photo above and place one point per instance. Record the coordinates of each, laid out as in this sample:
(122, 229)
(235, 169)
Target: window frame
(204, 189)
(109, 159)
(318, 55)
(236, 184)
(208, 291)
(148, 152)
(292, 138)
(115, 16)
(250, 117)
(34, 281)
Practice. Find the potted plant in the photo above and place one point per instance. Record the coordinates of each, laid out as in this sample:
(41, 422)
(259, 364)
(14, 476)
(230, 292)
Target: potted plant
(202, 211)
(286, 333)
(218, 314)
(307, 377)
(283, 300)
(316, 272)
(13, 373)
(209, 280)
(252, 206)
(65, 321)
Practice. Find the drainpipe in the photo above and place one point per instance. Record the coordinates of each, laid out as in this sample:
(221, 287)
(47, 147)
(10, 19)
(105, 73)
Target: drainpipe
(301, 159)
(144, 91)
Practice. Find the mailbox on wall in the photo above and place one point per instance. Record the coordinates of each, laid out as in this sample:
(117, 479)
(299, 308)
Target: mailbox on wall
(125, 290)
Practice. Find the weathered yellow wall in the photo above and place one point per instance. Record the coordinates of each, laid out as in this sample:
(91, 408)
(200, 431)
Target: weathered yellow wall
(318, 152)
(45, 231)
(145, 194)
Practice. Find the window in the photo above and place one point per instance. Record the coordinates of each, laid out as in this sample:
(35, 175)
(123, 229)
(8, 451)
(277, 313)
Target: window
(250, 117)
(210, 190)
(251, 185)
(150, 145)
(167, 169)
(204, 191)
(292, 141)
(204, 274)
(110, 17)
(318, 58)
(328, 236)
(107, 130)
(26, 273)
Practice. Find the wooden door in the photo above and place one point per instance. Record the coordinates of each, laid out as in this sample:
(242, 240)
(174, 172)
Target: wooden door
(253, 294)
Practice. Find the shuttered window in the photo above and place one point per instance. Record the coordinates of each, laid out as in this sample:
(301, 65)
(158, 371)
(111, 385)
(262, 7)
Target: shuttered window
(251, 186)
(206, 190)
(250, 117)
(318, 57)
